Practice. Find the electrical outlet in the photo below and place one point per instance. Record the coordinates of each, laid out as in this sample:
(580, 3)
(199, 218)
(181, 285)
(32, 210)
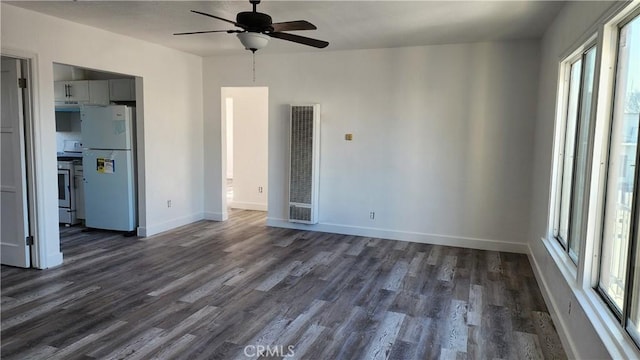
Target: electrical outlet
(569, 307)
(168, 203)
(372, 215)
(260, 189)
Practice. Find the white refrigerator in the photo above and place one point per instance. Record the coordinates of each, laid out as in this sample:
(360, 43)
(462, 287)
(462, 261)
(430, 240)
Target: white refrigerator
(107, 161)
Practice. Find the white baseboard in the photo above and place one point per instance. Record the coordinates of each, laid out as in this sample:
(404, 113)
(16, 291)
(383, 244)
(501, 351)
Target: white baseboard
(141, 231)
(472, 243)
(216, 216)
(248, 206)
(594, 312)
(168, 225)
(554, 309)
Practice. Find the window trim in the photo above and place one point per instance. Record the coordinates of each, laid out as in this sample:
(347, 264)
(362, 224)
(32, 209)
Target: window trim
(605, 83)
(614, 28)
(633, 242)
(611, 94)
(562, 115)
(631, 256)
(565, 69)
(616, 340)
(582, 279)
(592, 43)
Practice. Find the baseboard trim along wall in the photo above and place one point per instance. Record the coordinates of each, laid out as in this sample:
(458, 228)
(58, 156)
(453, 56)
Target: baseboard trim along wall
(587, 307)
(169, 225)
(561, 326)
(472, 243)
(248, 206)
(216, 216)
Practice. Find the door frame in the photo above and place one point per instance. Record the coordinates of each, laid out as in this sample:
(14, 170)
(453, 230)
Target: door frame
(29, 66)
(223, 150)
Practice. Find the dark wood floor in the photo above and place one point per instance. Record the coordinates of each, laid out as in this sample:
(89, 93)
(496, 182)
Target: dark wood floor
(208, 290)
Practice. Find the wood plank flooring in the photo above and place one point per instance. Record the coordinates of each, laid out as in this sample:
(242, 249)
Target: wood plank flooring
(218, 290)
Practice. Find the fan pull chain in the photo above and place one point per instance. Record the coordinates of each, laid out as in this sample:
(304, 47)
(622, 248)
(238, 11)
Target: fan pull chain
(254, 66)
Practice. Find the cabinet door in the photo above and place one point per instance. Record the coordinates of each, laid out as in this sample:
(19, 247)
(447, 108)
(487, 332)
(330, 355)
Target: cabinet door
(79, 90)
(60, 90)
(99, 92)
(122, 90)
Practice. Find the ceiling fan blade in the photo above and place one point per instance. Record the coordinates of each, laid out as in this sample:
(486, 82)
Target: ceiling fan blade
(207, 32)
(293, 25)
(219, 18)
(299, 39)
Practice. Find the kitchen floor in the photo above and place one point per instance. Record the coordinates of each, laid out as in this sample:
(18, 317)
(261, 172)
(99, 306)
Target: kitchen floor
(218, 290)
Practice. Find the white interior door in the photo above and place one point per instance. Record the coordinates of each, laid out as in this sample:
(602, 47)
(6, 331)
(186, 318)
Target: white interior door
(15, 216)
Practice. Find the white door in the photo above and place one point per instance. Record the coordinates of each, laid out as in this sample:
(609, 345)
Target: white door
(15, 216)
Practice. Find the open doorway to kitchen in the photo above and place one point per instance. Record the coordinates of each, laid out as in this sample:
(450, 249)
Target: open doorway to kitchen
(245, 116)
(99, 124)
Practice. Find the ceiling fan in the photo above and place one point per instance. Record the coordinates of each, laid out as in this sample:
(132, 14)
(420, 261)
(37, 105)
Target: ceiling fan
(258, 27)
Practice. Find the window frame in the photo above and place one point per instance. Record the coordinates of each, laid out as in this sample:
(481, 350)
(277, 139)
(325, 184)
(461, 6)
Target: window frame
(606, 98)
(583, 278)
(562, 116)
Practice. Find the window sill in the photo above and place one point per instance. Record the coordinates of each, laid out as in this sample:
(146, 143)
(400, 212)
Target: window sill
(615, 339)
(563, 261)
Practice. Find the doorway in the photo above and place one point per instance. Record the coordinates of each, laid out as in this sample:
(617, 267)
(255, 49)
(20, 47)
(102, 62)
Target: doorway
(97, 177)
(17, 189)
(245, 117)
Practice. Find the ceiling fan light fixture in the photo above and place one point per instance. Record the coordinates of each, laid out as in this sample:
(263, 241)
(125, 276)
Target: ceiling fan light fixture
(253, 41)
(256, 28)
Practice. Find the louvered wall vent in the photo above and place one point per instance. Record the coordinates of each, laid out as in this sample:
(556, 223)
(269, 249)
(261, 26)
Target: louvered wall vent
(304, 163)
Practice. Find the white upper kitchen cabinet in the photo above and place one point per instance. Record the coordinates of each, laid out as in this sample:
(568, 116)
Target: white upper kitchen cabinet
(71, 91)
(60, 90)
(122, 90)
(99, 92)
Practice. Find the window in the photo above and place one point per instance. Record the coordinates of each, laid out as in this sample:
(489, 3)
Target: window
(595, 213)
(619, 276)
(573, 156)
(633, 324)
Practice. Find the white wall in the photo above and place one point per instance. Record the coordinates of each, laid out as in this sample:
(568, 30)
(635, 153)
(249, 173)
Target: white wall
(250, 151)
(171, 105)
(575, 24)
(442, 138)
(66, 72)
(228, 111)
(72, 128)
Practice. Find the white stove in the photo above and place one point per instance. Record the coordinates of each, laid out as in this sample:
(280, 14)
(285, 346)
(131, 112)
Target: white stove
(69, 162)
(72, 150)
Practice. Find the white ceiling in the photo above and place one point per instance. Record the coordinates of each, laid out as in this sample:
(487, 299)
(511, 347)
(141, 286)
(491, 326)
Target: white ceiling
(345, 24)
